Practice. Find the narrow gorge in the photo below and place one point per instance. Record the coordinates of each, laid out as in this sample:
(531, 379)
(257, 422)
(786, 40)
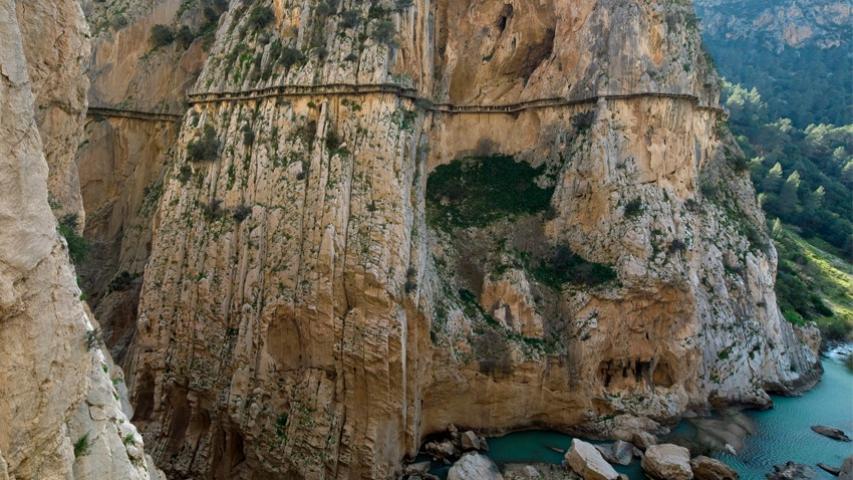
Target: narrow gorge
(323, 232)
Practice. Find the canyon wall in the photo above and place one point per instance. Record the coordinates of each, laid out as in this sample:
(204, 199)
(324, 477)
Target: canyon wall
(383, 218)
(61, 403)
(123, 157)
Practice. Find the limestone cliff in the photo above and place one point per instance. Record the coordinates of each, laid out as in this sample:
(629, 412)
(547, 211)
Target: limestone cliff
(123, 157)
(56, 38)
(386, 217)
(60, 412)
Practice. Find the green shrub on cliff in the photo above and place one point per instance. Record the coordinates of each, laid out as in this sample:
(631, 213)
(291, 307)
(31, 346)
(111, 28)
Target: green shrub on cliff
(78, 247)
(564, 266)
(476, 191)
(205, 148)
(161, 35)
(260, 17)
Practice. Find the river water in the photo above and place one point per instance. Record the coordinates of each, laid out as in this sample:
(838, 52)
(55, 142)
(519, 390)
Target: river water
(780, 434)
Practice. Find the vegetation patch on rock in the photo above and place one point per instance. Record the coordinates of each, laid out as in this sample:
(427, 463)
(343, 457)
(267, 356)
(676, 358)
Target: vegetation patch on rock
(476, 191)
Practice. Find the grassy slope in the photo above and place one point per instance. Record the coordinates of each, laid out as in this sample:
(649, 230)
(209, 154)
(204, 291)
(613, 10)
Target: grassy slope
(810, 274)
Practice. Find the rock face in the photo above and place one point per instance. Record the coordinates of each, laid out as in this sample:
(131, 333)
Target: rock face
(705, 468)
(667, 462)
(324, 288)
(56, 39)
(474, 466)
(124, 156)
(61, 414)
(585, 460)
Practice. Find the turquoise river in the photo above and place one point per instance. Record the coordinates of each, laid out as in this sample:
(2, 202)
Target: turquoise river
(781, 434)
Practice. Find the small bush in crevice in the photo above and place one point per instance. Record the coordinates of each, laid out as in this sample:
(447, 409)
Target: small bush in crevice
(634, 208)
(291, 56)
(411, 280)
(334, 143)
(78, 247)
(93, 339)
(260, 17)
(241, 213)
(205, 148)
(350, 19)
(213, 210)
(185, 37)
(248, 135)
(161, 35)
(185, 173)
(582, 122)
(122, 281)
(81, 446)
(677, 246)
(384, 32)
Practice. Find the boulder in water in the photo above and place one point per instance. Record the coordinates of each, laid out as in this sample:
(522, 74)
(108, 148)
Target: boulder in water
(474, 466)
(706, 468)
(471, 441)
(831, 432)
(829, 469)
(586, 461)
(846, 472)
(643, 440)
(441, 450)
(792, 471)
(667, 462)
(620, 452)
(418, 467)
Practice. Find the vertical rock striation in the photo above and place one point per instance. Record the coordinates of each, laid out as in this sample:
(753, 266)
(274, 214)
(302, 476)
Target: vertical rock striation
(126, 147)
(56, 38)
(60, 412)
(386, 217)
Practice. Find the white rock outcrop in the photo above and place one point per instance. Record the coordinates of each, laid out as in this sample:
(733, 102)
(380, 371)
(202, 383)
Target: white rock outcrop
(585, 460)
(474, 466)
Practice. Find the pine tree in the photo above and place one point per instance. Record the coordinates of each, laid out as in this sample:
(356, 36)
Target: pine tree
(788, 199)
(773, 180)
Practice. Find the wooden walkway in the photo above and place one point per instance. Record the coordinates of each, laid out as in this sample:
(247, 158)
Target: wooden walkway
(343, 89)
(348, 90)
(110, 112)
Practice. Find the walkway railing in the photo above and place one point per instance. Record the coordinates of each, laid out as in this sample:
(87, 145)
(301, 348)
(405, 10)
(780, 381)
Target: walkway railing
(343, 89)
(98, 111)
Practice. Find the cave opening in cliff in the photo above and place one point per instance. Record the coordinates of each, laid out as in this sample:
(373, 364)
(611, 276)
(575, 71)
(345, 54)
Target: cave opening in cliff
(503, 19)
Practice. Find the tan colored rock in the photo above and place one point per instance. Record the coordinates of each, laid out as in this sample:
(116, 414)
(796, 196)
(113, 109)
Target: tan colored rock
(510, 301)
(471, 441)
(585, 460)
(51, 366)
(122, 161)
(325, 331)
(667, 462)
(706, 468)
(56, 39)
